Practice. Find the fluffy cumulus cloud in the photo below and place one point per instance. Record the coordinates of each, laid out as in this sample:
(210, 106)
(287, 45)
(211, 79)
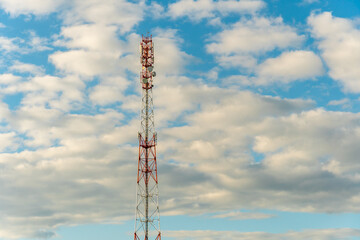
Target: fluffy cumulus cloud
(197, 10)
(239, 44)
(245, 43)
(170, 43)
(92, 50)
(27, 68)
(38, 7)
(17, 45)
(339, 41)
(257, 34)
(8, 44)
(290, 66)
(321, 234)
(122, 13)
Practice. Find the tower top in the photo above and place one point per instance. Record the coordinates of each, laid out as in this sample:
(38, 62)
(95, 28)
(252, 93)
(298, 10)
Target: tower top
(147, 62)
(147, 38)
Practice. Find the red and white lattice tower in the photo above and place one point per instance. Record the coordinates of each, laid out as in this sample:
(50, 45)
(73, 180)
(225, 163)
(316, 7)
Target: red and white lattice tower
(147, 216)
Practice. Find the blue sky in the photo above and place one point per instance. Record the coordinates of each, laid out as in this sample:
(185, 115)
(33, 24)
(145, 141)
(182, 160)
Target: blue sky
(256, 108)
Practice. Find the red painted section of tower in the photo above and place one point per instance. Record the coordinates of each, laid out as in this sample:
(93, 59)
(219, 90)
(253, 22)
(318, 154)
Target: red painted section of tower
(147, 160)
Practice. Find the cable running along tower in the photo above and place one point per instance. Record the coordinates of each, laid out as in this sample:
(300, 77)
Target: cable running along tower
(147, 216)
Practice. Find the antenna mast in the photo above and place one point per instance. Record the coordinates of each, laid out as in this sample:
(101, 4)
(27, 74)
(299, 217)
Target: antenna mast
(147, 215)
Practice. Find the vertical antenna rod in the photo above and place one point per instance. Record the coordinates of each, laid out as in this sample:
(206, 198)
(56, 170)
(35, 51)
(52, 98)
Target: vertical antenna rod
(147, 214)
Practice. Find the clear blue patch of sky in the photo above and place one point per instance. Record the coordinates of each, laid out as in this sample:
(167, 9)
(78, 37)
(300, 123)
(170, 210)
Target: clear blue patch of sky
(296, 11)
(13, 100)
(97, 231)
(20, 27)
(257, 157)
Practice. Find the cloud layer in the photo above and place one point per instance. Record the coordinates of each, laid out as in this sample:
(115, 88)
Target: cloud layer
(69, 143)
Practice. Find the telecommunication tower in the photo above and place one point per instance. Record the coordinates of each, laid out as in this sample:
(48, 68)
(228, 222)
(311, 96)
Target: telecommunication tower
(147, 216)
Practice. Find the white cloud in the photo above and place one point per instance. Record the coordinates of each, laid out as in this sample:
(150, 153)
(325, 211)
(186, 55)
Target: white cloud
(200, 9)
(44, 90)
(37, 43)
(85, 63)
(320, 234)
(310, 1)
(9, 44)
(9, 83)
(94, 49)
(23, 46)
(338, 102)
(243, 215)
(339, 42)
(38, 7)
(27, 68)
(121, 13)
(344, 103)
(8, 78)
(242, 43)
(167, 46)
(97, 37)
(18, 45)
(256, 35)
(213, 74)
(236, 80)
(110, 90)
(156, 10)
(290, 66)
(231, 61)
(9, 141)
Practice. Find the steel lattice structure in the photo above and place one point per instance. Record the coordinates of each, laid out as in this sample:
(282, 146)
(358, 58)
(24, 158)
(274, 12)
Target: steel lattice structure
(147, 216)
